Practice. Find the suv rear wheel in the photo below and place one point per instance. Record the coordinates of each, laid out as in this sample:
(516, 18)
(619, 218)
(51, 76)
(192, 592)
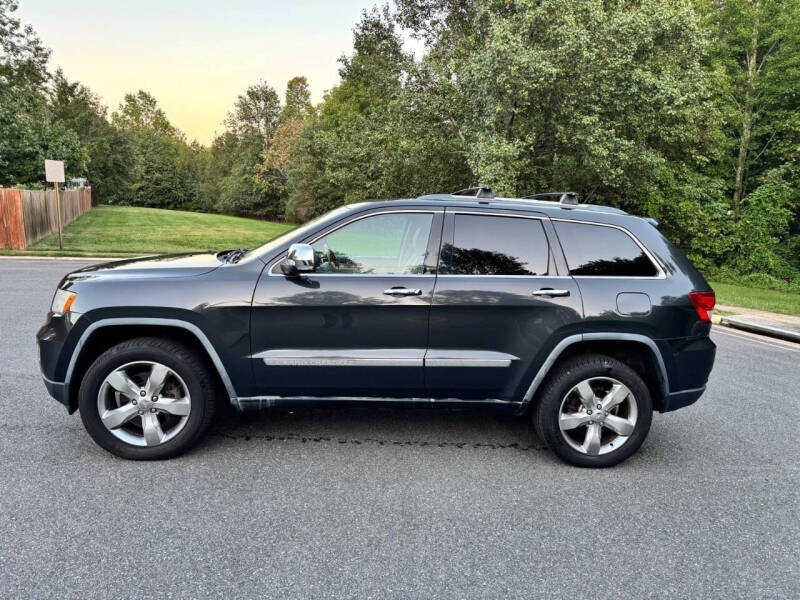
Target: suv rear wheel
(147, 398)
(595, 411)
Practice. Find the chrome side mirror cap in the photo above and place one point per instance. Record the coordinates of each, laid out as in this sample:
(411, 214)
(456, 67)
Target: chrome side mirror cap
(300, 259)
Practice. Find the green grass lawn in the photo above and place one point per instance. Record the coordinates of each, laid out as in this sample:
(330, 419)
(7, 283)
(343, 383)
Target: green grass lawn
(758, 298)
(132, 230)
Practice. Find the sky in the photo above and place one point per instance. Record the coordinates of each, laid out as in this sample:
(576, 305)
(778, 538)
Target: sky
(195, 57)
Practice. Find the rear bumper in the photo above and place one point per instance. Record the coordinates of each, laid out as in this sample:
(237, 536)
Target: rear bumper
(688, 362)
(676, 400)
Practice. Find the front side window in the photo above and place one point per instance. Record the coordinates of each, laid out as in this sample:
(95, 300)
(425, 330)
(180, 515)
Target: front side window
(492, 245)
(602, 251)
(385, 244)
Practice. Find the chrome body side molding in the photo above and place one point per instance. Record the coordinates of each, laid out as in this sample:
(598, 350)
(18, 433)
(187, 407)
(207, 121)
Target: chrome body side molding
(384, 357)
(400, 357)
(468, 358)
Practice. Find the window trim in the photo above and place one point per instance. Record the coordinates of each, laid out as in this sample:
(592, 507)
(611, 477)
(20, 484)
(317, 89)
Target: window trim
(660, 272)
(314, 237)
(542, 220)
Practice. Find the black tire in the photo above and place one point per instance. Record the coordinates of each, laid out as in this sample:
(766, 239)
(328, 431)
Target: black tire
(177, 357)
(562, 380)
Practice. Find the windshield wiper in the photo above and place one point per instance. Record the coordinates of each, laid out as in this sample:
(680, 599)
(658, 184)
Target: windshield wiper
(232, 256)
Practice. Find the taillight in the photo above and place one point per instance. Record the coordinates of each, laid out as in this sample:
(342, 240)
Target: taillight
(703, 303)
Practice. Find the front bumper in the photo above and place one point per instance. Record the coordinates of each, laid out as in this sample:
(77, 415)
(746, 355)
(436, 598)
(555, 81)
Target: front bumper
(51, 339)
(57, 391)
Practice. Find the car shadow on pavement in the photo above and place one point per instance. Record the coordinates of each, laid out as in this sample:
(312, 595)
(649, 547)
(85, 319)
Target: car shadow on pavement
(409, 427)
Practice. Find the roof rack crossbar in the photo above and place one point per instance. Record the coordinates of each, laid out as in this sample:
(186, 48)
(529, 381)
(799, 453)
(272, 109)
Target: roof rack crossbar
(475, 192)
(570, 198)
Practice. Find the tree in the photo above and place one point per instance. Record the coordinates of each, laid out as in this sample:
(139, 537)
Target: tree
(23, 62)
(371, 137)
(108, 150)
(255, 113)
(756, 67)
(141, 111)
(297, 103)
(29, 133)
(162, 166)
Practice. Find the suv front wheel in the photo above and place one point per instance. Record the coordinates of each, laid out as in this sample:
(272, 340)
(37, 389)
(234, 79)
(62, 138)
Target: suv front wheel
(595, 411)
(147, 398)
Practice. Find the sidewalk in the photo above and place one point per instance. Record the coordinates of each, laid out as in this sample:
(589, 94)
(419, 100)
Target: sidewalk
(786, 327)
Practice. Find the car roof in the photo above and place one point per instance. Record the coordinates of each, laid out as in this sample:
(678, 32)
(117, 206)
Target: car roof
(552, 209)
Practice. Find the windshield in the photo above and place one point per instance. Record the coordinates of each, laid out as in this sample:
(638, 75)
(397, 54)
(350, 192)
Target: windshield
(297, 231)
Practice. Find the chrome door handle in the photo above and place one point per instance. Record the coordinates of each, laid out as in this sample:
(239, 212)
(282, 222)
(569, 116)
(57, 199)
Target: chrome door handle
(551, 292)
(398, 291)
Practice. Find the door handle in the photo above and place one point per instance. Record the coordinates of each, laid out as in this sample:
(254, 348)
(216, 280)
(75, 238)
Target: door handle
(401, 291)
(551, 292)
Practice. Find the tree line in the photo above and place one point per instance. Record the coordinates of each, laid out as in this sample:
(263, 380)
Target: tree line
(683, 110)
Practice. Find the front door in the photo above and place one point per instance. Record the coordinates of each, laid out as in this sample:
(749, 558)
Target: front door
(358, 324)
(492, 311)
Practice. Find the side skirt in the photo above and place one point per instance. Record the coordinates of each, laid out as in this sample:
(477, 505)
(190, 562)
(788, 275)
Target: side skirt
(261, 402)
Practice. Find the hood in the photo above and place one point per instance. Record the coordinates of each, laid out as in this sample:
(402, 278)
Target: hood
(168, 265)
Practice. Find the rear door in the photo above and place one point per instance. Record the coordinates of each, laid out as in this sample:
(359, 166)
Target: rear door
(500, 298)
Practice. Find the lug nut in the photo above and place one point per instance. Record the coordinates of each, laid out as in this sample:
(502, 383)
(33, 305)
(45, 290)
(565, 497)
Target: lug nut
(154, 398)
(588, 412)
(141, 412)
(142, 393)
(599, 406)
(152, 410)
(134, 402)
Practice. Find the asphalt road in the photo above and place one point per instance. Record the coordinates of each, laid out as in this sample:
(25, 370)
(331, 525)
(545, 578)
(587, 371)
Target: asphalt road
(399, 503)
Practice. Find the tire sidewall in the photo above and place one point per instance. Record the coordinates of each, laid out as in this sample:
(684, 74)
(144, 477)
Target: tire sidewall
(547, 412)
(180, 361)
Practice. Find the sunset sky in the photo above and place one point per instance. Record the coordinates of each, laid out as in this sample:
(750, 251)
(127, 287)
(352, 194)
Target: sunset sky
(194, 56)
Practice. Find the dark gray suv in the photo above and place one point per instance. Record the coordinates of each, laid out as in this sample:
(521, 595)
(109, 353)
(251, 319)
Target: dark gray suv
(582, 316)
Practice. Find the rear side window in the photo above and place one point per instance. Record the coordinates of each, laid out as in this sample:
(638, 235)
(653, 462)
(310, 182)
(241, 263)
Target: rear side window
(602, 251)
(489, 245)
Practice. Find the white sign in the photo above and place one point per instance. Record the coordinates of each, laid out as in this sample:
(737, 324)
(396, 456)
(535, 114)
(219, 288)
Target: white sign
(54, 170)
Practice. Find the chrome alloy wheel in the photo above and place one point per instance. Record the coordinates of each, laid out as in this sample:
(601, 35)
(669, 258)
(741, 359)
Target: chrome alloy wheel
(144, 403)
(597, 416)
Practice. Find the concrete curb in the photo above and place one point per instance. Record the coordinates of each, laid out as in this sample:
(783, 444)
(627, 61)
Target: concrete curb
(769, 330)
(83, 258)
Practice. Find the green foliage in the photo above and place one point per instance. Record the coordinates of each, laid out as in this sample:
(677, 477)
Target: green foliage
(372, 137)
(30, 133)
(684, 110)
(109, 152)
(162, 172)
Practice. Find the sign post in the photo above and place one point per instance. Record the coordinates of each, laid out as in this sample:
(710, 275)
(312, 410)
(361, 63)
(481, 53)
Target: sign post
(54, 172)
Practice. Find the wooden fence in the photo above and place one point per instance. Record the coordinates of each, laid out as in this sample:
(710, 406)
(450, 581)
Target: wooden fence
(26, 216)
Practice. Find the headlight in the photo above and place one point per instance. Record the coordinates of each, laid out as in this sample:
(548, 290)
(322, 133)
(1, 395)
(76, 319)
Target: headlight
(62, 301)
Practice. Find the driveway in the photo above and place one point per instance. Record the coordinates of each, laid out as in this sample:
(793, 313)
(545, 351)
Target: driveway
(387, 503)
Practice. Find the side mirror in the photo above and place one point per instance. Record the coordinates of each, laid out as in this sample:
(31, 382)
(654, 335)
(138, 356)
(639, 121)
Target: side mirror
(300, 259)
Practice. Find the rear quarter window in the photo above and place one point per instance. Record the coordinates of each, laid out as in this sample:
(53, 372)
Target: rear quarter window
(601, 251)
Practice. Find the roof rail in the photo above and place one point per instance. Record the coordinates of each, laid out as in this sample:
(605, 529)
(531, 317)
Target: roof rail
(570, 198)
(484, 193)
